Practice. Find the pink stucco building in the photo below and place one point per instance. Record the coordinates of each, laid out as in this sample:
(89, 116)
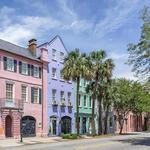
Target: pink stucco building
(133, 123)
(23, 90)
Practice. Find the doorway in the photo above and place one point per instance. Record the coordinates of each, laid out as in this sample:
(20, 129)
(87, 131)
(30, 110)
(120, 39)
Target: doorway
(84, 125)
(8, 126)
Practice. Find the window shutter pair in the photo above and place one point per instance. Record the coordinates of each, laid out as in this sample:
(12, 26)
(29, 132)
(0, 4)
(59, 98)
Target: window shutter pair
(20, 67)
(40, 73)
(40, 96)
(32, 70)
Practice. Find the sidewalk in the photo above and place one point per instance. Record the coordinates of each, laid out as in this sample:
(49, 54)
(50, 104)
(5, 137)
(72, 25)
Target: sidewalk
(29, 141)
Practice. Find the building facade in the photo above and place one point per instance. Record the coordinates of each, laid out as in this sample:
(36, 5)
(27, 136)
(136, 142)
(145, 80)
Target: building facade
(60, 92)
(132, 123)
(23, 91)
(85, 109)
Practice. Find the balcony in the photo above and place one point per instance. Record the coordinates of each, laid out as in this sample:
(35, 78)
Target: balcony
(15, 104)
(62, 102)
(70, 104)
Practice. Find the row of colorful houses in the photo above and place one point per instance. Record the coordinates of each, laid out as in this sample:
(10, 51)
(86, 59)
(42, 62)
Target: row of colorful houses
(35, 99)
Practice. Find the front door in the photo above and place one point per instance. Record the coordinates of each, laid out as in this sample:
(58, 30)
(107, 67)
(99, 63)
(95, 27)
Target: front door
(54, 127)
(8, 127)
(66, 125)
(84, 125)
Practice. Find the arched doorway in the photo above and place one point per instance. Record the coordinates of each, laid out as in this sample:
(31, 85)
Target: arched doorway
(65, 125)
(28, 126)
(8, 126)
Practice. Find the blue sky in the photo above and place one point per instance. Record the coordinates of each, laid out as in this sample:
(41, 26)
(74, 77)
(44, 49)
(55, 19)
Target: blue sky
(84, 24)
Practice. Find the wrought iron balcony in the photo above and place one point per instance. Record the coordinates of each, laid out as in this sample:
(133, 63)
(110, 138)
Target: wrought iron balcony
(54, 103)
(11, 104)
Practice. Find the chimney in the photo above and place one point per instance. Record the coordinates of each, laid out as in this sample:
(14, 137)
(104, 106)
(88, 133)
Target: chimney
(32, 46)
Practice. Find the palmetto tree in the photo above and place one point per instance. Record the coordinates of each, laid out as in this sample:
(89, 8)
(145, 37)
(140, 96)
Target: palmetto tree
(102, 72)
(76, 66)
(96, 58)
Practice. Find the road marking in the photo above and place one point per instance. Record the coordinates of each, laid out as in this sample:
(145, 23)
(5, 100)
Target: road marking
(94, 145)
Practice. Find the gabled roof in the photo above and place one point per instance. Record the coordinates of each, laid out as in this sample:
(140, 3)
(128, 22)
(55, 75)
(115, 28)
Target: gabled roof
(52, 40)
(15, 49)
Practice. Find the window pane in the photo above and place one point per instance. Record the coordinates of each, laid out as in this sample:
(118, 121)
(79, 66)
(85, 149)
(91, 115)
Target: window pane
(10, 64)
(24, 94)
(24, 68)
(36, 95)
(54, 72)
(9, 91)
(53, 94)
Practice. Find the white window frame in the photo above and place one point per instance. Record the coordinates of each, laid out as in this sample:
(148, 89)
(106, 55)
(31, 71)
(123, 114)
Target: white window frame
(26, 100)
(38, 71)
(54, 54)
(37, 102)
(80, 100)
(85, 100)
(26, 71)
(54, 74)
(90, 103)
(62, 57)
(62, 96)
(12, 68)
(13, 91)
(54, 96)
(69, 96)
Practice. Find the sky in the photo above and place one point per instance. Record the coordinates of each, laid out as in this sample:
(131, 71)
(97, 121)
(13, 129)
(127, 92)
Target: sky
(85, 24)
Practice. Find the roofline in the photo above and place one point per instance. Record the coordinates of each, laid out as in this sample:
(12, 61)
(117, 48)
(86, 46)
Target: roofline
(38, 60)
(52, 40)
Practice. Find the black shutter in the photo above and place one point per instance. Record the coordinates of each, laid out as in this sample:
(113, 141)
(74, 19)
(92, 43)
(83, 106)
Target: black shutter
(29, 68)
(15, 65)
(5, 63)
(32, 70)
(20, 67)
(39, 72)
(32, 94)
(40, 96)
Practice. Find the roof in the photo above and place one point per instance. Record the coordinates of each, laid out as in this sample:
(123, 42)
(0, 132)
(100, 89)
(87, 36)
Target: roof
(15, 49)
(52, 40)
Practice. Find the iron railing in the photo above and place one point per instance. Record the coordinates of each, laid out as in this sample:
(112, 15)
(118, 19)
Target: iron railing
(11, 104)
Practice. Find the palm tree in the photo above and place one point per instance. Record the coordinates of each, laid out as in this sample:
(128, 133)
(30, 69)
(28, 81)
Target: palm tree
(107, 74)
(76, 66)
(96, 58)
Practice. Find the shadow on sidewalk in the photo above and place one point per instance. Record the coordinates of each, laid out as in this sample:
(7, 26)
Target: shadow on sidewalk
(145, 141)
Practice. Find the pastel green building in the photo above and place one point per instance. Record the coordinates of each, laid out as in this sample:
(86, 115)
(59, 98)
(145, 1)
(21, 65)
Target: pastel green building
(85, 109)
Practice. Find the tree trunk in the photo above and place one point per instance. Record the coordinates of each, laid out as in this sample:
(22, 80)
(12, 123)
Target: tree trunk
(93, 116)
(100, 127)
(77, 106)
(121, 123)
(106, 119)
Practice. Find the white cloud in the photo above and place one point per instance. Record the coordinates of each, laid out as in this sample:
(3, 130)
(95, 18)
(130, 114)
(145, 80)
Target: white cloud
(116, 17)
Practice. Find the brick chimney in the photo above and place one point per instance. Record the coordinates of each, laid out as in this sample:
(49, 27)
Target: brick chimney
(32, 46)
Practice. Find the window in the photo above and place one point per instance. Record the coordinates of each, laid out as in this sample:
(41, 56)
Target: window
(69, 96)
(10, 64)
(36, 95)
(24, 93)
(79, 100)
(54, 73)
(84, 83)
(36, 71)
(90, 101)
(53, 95)
(62, 96)
(61, 76)
(9, 91)
(53, 54)
(24, 68)
(61, 57)
(85, 101)
(110, 122)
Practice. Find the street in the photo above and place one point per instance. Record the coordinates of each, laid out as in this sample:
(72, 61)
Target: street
(135, 141)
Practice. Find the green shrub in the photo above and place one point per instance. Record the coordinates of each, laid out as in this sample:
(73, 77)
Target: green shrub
(69, 136)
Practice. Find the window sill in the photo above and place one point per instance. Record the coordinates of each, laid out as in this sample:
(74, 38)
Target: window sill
(69, 82)
(54, 59)
(62, 80)
(10, 70)
(54, 78)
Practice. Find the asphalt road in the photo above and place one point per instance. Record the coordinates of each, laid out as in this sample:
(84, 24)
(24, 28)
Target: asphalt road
(136, 141)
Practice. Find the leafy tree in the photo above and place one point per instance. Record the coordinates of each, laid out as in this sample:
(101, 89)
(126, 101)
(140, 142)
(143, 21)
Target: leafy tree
(139, 53)
(76, 66)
